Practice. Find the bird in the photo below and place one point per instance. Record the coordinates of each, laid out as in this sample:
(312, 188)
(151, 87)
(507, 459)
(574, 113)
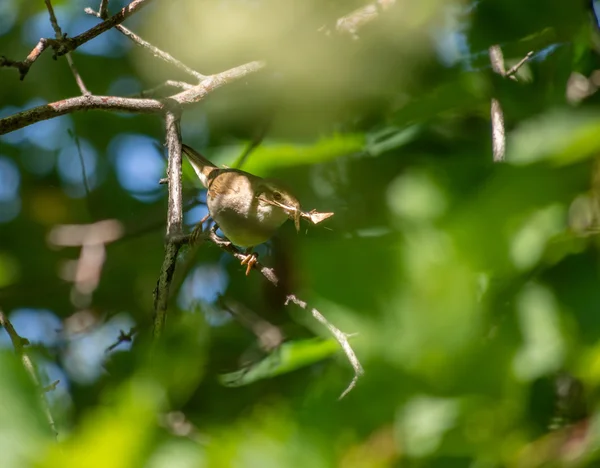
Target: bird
(248, 209)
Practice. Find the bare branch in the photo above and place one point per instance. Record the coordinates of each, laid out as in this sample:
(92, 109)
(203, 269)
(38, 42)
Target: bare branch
(498, 132)
(19, 344)
(114, 103)
(497, 59)
(77, 76)
(497, 115)
(103, 10)
(153, 50)
(67, 106)
(515, 68)
(174, 221)
(352, 22)
(53, 20)
(213, 82)
(64, 44)
(167, 84)
(341, 338)
(122, 338)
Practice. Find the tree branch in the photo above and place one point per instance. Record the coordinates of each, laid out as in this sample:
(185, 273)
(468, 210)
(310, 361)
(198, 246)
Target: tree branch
(496, 112)
(64, 44)
(103, 10)
(352, 22)
(114, 103)
(19, 344)
(174, 221)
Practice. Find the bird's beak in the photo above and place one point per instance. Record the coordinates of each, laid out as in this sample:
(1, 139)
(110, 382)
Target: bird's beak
(294, 212)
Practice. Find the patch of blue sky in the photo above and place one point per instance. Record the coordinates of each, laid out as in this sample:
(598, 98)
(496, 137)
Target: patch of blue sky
(10, 181)
(85, 354)
(194, 215)
(109, 44)
(40, 326)
(139, 165)
(74, 21)
(201, 289)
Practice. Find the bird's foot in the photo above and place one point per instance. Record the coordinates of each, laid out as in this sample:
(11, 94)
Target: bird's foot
(250, 260)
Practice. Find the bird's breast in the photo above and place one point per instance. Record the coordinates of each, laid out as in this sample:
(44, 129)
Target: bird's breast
(244, 220)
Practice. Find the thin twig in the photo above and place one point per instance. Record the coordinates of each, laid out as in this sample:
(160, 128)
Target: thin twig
(153, 49)
(59, 35)
(103, 10)
(53, 20)
(352, 22)
(86, 184)
(19, 344)
(65, 45)
(114, 103)
(51, 387)
(515, 68)
(77, 76)
(270, 275)
(167, 84)
(174, 221)
(122, 338)
(341, 338)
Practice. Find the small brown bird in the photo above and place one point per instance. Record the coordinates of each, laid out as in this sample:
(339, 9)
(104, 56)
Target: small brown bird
(247, 208)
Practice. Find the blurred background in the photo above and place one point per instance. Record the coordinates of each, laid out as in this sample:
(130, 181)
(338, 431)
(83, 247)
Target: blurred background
(472, 288)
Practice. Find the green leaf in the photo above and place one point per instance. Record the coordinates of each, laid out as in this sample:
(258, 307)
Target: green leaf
(270, 156)
(561, 137)
(288, 357)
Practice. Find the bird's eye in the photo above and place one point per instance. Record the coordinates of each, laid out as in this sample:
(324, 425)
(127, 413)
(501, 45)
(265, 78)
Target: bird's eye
(277, 196)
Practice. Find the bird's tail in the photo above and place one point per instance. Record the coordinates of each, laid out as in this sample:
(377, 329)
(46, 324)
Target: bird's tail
(201, 165)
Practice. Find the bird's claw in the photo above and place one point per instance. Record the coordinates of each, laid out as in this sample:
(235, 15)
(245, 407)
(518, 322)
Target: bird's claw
(250, 260)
